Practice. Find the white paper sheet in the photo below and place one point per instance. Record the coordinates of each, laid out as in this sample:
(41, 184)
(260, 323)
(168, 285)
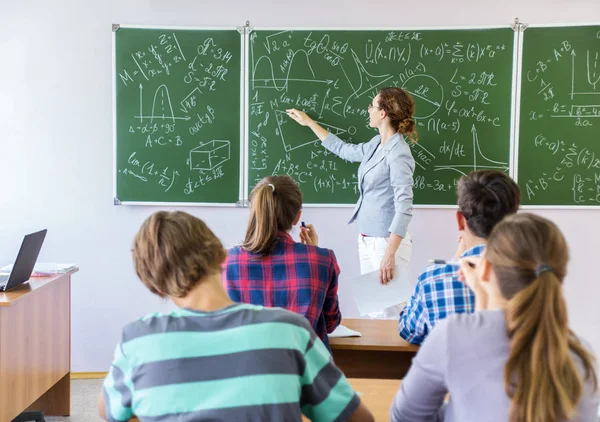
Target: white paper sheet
(373, 297)
(42, 269)
(343, 331)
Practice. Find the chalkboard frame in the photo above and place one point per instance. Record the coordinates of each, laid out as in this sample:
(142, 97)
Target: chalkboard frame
(515, 78)
(241, 193)
(517, 103)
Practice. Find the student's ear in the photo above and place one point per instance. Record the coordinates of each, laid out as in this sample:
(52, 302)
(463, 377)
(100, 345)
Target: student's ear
(297, 218)
(461, 221)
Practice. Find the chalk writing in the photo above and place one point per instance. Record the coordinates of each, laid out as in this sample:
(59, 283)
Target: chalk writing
(462, 108)
(178, 113)
(559, 156)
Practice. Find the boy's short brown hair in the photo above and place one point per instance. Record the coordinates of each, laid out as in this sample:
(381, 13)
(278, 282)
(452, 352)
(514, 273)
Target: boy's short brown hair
(485, 197)
(173, 250)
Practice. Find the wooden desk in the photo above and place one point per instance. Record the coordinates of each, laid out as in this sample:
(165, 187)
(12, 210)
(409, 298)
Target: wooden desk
(35, 347)
(377, 395)
(379, 353)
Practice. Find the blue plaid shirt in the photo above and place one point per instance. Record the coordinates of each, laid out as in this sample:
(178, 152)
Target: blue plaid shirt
(438, 293)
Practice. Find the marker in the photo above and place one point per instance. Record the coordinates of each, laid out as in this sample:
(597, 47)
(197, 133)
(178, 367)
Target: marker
(302, 224)
(444, 262)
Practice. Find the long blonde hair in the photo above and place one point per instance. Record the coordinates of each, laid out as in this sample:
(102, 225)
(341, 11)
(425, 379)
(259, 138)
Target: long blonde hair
(275, 202)
(529, 256)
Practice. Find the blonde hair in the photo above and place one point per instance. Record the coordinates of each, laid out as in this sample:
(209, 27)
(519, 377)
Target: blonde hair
(173, 251)
(399, 105)
(529, 255)
(275, 202)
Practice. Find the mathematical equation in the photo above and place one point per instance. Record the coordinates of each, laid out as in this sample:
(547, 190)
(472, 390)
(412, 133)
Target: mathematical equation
(170, 86)
(575, 167)
(559, 159)
(574, 97)
(334, 75)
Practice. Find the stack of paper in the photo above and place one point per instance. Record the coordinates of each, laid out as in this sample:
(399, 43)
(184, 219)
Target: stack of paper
(43, 269)
(372, 297)
(343, 331)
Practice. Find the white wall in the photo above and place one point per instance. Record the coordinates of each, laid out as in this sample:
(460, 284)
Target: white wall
(56, 147)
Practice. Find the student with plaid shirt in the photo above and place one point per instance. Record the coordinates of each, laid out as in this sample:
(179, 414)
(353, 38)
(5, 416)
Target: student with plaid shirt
(485, 197)
(271, 269)
(515, 358)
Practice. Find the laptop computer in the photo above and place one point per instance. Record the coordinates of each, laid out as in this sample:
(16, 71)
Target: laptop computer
(23, 267)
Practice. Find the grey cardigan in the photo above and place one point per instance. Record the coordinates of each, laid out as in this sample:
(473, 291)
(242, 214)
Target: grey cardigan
(465, 355)
(385, 180)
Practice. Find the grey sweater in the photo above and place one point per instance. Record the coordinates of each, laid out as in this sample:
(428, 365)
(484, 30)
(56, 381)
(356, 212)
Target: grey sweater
(465, 355)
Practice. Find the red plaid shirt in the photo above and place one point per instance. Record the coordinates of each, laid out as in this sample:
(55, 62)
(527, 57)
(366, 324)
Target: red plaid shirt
(295, 276)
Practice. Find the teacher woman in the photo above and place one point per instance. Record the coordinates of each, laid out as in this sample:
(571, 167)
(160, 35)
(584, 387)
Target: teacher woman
(385, 179)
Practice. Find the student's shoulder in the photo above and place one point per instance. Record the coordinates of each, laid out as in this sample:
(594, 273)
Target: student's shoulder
(316, 250)
(151, 323)
(584, 343)
(238, 255)
(282, 316)
(487, 326)
(236, 250)
(436, 272)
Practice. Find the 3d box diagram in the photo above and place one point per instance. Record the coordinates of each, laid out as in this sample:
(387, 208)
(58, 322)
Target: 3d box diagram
(209, 155)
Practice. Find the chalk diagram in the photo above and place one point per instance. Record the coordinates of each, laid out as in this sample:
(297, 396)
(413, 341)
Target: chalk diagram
(263, 74)
(480, 161)
(592, 73)
(367, 83)
(266, 74)
(588, 106)
(427, 89)
(190, 100)
(209, 155)
(291, 143)
(162, 109)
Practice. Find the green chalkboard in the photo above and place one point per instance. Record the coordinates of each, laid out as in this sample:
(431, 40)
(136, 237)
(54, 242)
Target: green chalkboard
(461, 81)
(559, 131)
(177, 115)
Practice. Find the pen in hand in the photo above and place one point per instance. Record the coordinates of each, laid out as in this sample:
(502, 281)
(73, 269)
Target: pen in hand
(308, 234)
(452, 262)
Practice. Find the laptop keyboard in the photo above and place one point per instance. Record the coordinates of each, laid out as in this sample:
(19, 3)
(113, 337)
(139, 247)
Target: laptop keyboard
(3, 279)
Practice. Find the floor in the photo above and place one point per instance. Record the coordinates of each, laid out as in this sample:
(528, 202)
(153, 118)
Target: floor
(84, 397)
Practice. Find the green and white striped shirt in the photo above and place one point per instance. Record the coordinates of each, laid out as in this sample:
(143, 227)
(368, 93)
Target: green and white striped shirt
(240, 363)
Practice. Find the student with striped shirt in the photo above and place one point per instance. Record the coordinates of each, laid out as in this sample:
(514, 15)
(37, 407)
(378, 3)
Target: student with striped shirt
(213, 359)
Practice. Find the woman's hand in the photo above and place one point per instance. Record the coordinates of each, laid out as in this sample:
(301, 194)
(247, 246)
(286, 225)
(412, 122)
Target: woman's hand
(308, 235)
(386, 268)
(300, 117)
